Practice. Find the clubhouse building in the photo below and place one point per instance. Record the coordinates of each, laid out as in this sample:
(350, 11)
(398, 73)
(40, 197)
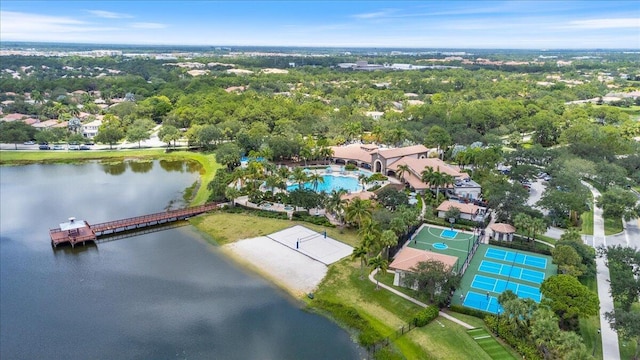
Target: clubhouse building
(390, 161)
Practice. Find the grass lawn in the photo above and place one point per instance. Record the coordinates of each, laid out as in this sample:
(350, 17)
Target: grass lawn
(225, 228)
(388, 312)
(587, 222)
(612, 226)
(589, 326)
(490, 345)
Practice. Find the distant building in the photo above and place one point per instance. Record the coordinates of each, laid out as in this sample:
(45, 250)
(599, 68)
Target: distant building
(90, 130)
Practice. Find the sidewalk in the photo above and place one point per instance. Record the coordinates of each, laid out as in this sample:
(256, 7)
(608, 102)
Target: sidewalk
(419, 303)
(610, 348)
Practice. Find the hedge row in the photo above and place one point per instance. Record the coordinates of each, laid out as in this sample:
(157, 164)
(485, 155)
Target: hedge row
(425, 316)
(502, 327)
(468, 311)
(306, 217)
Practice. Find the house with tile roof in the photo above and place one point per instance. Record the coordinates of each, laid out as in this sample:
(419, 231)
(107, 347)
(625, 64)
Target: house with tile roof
(408, 258)
(467, 211)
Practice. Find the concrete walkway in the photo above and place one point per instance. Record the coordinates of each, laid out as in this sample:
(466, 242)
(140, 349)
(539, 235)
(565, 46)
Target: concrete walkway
(417, 302)
(610, 349)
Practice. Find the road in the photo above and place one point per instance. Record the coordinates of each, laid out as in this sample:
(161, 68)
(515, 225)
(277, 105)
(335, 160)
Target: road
(535, 193)
(610, 349)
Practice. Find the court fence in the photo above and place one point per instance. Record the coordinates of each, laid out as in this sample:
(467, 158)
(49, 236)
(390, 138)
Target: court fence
(467, 260)
(379, 345)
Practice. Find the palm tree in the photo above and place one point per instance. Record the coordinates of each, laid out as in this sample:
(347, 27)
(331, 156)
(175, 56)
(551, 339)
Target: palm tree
(272, 182)
(523, 223)
(283, 172)
(358, 211)
(363, 179)
(380, 264)
(427, 175)
(361, 252)
(305, 154)
(299, 176)
(402, 169)
(316, 179)
(335, 203)
(231, 193)
(538, 226)
(448, 180)
(388, 239)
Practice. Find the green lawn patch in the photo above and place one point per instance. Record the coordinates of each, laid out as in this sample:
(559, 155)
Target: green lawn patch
(489, 344)
(612, 226)
(587, 222)
(589, 326)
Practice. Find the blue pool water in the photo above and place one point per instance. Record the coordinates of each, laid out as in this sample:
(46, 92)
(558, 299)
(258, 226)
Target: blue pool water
(332, 182)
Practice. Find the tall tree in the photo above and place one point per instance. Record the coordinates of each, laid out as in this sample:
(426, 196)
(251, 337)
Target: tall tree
(380, 264)
(434, 278)
(569, 299)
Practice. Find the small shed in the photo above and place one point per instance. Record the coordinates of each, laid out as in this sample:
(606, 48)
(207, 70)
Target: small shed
(73, 226)
(502, 231)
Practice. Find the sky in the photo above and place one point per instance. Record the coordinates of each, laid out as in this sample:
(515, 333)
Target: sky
(542, 24)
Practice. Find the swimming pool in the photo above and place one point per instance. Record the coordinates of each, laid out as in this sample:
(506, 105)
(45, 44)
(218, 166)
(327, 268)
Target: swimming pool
(332, 182)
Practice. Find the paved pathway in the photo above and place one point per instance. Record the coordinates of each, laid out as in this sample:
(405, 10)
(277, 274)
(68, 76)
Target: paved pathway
(417, 302)
(610, 349)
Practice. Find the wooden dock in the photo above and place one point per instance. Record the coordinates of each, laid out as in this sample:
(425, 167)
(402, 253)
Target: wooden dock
(79, 231)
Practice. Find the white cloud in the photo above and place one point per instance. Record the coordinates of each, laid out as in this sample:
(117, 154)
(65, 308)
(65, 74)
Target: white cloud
(109, 14)
(148, 25)
(375, 15)
(605, 23)
(20, 26)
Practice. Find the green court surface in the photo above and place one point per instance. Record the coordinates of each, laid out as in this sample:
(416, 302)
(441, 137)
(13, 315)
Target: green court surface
(443, 240)
(489, 344)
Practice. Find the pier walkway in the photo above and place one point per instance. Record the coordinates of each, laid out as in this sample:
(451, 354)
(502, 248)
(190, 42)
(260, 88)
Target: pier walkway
(79, 231)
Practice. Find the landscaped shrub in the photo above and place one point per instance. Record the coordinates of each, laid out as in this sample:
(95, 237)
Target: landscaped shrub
(350, 167)
(426, 315)
(468, 311)
(522, 345)
(306, 217)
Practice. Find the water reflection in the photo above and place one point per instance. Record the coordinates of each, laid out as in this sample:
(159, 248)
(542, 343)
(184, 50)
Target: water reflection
(114, 168)
(140, 166)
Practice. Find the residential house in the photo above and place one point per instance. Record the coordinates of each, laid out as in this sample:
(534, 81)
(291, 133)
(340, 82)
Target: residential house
(90, 130)
(467, 211)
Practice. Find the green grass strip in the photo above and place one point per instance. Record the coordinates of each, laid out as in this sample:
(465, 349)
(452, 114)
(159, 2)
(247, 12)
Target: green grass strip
(489, 344)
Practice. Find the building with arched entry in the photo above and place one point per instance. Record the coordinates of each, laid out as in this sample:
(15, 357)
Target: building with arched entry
(375, 158)
(414, 160)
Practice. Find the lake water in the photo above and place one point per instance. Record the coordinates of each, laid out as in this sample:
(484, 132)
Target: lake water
(164, 295)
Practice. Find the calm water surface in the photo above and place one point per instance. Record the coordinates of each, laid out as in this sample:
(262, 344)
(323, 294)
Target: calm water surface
(165, 295)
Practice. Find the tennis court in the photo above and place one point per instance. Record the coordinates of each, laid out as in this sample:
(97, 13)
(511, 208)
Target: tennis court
(513, 272)
(494, 270)
(516, 257)
(494, 285)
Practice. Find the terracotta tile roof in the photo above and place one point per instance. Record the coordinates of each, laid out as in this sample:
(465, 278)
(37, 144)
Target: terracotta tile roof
(30, 121)
(502, 228)
(408, 258)
(13, 117)
(45, 124)
(360, 152)
(403, 151)
(418, 166)
(464, 208)
(364, 195)
(415, 181)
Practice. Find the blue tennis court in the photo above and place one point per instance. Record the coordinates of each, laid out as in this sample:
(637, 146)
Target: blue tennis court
(490, 284)
(482, 302)
(518, 258)
(514, 272)
(449, 234)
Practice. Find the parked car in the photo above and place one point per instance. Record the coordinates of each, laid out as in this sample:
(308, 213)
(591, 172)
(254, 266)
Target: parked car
(44, 147)
(89, 142)
(58, 147)
(74, 147)
(546, 178)
(84, 147)
(29, 143)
